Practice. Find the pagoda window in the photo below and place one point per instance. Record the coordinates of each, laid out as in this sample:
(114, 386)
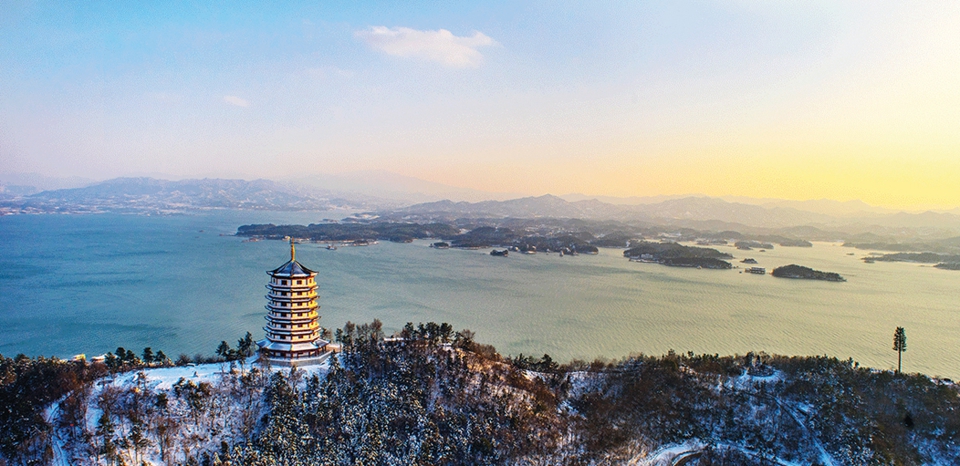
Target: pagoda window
(283, 282)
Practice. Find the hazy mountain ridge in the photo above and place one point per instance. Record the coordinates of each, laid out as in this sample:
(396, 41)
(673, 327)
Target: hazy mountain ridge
(149, 194)
(697, 212)
(38, 182)
(705, 208)
(526, 207)
(10, 191)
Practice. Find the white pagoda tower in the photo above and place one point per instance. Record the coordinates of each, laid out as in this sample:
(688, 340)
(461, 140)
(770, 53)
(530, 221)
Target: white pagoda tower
(293, 331)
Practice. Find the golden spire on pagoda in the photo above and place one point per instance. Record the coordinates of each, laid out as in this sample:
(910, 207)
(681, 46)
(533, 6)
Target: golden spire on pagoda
(293, 252)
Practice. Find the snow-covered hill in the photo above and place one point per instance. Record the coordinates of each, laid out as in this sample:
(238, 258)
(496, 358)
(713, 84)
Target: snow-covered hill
(429, 398)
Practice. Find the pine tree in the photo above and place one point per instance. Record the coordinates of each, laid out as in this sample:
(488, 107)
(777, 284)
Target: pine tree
(137, 438)
(148, 355)
(286, 438)
(112, 362)
(223, 350)
(245, 346)
(131, 357)
(105, 431)
(899, 345)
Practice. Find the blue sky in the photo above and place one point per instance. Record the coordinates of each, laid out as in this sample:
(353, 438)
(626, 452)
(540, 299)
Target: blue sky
(785, 99)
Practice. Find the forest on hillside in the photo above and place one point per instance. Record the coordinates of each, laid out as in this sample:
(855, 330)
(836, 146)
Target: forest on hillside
(434, 396)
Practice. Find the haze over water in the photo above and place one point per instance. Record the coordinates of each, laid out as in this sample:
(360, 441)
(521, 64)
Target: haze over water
(89, 283)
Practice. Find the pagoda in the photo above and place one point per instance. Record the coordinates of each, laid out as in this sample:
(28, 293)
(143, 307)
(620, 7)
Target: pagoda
(293, 331)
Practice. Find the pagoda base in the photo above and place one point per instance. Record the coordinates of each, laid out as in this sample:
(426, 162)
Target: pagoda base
(299, 362)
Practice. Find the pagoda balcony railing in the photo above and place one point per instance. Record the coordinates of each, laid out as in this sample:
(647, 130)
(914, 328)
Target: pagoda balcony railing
(292, 306)
(306, 328)
(287, 314)
(294, 338)
(277, 286)
(291, 320)
(295, 355)
(286, 295)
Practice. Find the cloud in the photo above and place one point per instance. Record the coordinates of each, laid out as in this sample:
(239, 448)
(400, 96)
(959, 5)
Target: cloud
(440, 46)
(234, 100)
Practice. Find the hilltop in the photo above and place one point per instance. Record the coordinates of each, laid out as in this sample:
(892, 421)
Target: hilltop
(430, 396)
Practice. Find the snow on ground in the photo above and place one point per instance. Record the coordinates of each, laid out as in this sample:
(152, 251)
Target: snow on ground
(670, 455)
(747, 381)
(50, 415)
(208, 431)
(163, 378)
(825, 457)
(666, 455)
(584, 382)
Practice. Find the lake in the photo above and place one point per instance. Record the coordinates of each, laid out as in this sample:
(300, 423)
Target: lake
(89, 283)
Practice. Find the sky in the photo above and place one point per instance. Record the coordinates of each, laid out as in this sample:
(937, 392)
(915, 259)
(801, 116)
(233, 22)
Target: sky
(792, 100)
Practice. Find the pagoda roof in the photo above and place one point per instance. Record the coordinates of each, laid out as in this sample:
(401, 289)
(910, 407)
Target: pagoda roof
(292, 268)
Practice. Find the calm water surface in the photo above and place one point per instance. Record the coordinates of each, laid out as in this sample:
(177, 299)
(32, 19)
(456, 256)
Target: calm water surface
(89, 283)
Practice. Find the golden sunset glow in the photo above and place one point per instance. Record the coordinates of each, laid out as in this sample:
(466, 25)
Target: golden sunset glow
(785, 100)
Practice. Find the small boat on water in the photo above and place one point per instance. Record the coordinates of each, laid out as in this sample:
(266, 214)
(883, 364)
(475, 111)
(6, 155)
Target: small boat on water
(331, 247)
(496, 253)
(756, 270)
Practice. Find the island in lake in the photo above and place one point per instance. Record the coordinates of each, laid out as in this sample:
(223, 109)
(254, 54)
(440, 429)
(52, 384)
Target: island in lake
(678, 255)
(747, 245)
(799, 271)
(943, 261)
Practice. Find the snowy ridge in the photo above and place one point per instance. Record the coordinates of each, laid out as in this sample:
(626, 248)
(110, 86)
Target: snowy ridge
(423, 401)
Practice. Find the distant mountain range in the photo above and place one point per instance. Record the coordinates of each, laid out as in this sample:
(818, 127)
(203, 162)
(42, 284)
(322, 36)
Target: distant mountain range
(153, 195)
(342, 191)
(693, 212)
(36, 182)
